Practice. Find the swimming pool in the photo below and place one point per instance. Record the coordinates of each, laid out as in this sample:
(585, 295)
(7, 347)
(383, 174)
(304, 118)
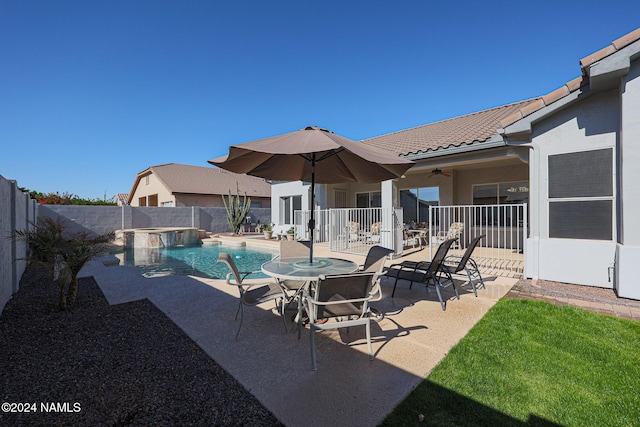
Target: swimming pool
(198, 261)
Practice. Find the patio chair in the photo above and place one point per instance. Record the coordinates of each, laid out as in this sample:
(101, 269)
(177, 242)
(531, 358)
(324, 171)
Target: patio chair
(253, 294)
(455, 232)
(457, 263)
(340, 301)
(374, 232)
(374, 262)
(293, 249)
(426, 272)
(375, 259)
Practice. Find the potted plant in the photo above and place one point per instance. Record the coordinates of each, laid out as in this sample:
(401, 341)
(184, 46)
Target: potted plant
(291, 233)
(268, 231)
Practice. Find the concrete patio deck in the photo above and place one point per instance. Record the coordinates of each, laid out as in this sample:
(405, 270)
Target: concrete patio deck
(347, 389)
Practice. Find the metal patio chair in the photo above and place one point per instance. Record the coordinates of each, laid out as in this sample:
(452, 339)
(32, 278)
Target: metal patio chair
(253, 294)
(340, 301)
(374, 262)
(457, 263)
(434, 271)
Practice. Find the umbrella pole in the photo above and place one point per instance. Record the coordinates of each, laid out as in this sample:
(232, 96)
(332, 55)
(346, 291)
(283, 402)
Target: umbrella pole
(312, 221)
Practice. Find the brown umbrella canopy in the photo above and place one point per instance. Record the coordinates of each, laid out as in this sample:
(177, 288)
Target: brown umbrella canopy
(312, 155)
(290, 157)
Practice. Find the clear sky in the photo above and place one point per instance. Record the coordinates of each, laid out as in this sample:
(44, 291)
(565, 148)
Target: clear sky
(93, 92)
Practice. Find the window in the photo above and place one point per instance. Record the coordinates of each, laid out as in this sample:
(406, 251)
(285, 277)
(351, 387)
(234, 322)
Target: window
(146, 180)
(167, 204)
(581, 195)
(369, 200)
(288, 205)
(339, 199)
(503, 193)
(416, 201)
(142, 201)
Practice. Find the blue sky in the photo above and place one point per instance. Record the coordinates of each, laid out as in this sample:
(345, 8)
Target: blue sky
(93, 92)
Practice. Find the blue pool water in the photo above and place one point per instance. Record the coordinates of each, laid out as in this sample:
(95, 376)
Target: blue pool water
(198, 261)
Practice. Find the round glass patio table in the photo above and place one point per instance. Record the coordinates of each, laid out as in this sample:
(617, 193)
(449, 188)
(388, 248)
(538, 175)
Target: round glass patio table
(301, 269)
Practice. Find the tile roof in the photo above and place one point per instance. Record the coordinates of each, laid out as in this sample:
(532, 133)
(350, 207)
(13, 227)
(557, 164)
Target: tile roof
(187, 179)
(122, 198)
(576, 83)
(468, 129)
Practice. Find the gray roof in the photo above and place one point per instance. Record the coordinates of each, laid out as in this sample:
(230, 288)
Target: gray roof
(187, 179)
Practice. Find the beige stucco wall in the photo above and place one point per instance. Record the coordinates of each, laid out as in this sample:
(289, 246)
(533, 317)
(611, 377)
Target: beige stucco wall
(466, 179)
(456, 189)
(154, 186)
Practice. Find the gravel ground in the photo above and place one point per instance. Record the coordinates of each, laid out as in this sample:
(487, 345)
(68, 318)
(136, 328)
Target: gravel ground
(105, 365)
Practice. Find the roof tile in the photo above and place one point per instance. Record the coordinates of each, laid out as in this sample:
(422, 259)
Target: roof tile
(627, 39)
(597, 56)
(577, 83)
(556, 95)
(532, 107)
(469, 129)
(512, 118)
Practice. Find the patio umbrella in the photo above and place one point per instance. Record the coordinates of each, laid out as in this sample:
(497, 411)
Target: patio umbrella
(313, 155)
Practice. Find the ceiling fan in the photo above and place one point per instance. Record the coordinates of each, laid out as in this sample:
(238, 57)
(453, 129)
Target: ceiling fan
(439, 172)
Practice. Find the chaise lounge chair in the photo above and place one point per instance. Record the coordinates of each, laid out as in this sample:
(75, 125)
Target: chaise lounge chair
(457, 263)
(434, 271)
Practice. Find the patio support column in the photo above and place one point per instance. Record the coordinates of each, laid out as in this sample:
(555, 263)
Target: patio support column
(389, 196)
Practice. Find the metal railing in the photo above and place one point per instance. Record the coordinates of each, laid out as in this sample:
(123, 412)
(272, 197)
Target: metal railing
(352, 230)
(501, 252)
(355, 230)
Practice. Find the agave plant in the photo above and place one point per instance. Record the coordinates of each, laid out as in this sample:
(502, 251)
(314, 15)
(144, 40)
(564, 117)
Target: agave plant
(236, 211)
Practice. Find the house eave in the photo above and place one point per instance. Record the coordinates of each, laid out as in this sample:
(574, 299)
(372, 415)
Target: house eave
(521, 130)
(492, 142)
(605, 74)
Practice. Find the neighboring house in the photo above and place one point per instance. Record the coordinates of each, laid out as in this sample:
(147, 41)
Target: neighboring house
(122, 199)
(562, 153)
(184, 185)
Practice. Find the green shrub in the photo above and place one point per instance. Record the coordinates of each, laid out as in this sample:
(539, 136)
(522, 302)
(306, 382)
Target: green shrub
(53, 246)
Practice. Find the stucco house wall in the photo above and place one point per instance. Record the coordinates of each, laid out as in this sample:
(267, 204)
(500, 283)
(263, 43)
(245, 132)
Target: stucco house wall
(628, 251)
(465, 179)
(150, 185)
(291, 189)
(583, 126)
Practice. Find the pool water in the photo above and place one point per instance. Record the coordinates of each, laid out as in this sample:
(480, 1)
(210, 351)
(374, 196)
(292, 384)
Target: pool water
(201, 261)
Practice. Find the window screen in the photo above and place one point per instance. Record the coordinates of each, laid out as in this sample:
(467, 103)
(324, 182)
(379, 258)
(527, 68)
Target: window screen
(583, 174)
(585, 219)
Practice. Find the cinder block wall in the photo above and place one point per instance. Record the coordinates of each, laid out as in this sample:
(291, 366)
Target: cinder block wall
(16, 210)
(102, 219)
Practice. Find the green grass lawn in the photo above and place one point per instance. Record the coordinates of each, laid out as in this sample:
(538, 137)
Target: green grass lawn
(532, 363)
